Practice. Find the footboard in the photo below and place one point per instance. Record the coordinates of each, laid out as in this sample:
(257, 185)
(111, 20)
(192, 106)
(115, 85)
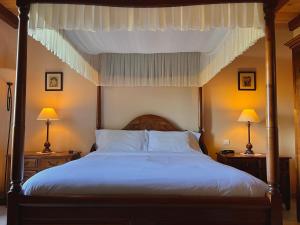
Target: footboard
(129, 210)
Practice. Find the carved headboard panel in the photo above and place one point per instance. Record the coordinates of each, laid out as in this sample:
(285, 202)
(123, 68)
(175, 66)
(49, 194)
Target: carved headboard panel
(151, 122)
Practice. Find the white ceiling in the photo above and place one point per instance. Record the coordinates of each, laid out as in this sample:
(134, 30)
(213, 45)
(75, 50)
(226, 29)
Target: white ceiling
(146, 42)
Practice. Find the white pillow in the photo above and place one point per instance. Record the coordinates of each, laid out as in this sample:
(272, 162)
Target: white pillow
(121, 140)
(197, 135)
(172, 141)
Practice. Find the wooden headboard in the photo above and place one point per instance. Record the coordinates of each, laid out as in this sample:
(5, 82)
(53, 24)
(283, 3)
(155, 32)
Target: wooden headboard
(154, 122)
(151, 122)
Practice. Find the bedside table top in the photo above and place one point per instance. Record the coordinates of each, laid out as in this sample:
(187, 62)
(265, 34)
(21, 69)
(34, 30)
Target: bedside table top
(239, 155)
(52, 154)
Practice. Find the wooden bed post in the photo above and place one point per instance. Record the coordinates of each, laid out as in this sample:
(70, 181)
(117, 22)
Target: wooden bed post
(200, 121)
(271, 115)
(99, 109)
(200, 109)
(98, 116)
(19, 117)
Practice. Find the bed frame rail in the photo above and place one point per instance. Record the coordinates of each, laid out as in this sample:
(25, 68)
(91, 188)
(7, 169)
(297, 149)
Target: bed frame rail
(114, 210)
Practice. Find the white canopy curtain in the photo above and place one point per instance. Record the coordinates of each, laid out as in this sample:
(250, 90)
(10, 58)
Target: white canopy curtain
(173, 46)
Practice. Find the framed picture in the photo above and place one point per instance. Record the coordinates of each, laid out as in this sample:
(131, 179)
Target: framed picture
(247, 81)
(54, 81)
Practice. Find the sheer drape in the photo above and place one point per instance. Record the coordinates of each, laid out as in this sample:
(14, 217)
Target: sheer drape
(94, 18)
(69, 31)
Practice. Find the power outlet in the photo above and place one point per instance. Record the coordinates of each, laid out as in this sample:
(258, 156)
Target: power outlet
(226, 142)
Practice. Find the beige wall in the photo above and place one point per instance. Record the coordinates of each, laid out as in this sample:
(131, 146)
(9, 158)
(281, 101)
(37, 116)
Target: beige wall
(4, 118)
(121, 105)
(223, 103)
(75, 105)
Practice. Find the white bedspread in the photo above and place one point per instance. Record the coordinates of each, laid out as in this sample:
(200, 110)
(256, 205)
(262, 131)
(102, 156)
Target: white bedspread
(193, 174)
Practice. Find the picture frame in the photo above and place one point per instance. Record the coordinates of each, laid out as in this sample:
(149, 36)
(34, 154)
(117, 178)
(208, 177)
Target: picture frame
(54, 81)
(247, 81)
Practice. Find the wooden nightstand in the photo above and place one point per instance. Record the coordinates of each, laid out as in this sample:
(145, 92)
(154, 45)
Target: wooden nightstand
(256, 166)
(35, 162)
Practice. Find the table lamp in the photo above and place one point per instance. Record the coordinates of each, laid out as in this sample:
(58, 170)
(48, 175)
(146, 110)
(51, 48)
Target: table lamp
(249, 116)
(47, 114)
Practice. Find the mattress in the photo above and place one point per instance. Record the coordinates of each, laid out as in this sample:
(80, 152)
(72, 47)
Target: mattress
(184, 174)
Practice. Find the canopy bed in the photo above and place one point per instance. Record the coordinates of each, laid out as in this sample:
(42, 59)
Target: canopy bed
(85, 34)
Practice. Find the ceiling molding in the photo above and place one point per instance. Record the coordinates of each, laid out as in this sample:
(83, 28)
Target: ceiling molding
(280, 4)
(295, 42)
(294, 23)
(140, 3)
(8, 17)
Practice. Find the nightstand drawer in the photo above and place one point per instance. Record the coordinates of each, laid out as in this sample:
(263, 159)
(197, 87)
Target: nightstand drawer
(30, 163)
(47, 163)
(249, 166)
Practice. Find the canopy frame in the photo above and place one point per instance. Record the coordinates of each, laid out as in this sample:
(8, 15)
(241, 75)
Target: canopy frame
(141, 3)
(17, 202)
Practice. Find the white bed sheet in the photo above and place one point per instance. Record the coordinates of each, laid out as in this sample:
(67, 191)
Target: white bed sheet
(188, 174)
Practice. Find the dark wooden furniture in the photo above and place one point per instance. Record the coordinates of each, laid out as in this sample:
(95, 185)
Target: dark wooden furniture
(141, 209)
(137, 209)
(294, 23)
(294, 44)
(8, 17)
(256, 166)
(36, 162)
(141, 3)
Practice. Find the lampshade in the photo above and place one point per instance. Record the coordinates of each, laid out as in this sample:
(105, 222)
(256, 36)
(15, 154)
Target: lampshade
(249, 115)
(47, 114)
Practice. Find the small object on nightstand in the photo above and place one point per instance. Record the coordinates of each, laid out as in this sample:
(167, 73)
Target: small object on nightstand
(249, 116)
(227, 151)
(255, 164)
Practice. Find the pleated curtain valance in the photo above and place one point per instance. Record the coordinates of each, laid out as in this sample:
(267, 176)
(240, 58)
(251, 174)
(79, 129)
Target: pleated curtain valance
(175, 46)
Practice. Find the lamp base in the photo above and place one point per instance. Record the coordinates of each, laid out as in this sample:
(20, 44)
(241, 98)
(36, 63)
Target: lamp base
(47, 148)
(249, 149)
